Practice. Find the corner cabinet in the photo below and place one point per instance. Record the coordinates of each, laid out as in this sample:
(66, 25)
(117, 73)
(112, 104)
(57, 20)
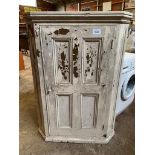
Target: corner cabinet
(76, 62)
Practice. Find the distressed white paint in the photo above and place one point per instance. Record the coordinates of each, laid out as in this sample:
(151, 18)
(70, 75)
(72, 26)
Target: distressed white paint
(88, 111)
(63, 111)
(59, 76)
(76, 107)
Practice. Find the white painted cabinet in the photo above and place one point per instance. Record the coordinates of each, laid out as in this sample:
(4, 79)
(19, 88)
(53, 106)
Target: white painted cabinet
(76, 61)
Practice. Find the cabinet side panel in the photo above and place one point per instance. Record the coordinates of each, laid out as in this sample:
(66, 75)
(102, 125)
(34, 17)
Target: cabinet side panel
(35, 76)
(38, 76)
(115, 60)
(117, 72)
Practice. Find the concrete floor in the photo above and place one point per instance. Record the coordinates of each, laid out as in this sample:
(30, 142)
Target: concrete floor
(31, 142)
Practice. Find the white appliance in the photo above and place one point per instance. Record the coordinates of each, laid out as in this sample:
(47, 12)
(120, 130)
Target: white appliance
(126, 90)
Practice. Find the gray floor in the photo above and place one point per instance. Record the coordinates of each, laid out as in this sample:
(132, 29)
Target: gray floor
(31, 142)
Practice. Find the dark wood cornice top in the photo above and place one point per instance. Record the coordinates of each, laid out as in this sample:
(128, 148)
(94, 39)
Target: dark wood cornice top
(80, 17)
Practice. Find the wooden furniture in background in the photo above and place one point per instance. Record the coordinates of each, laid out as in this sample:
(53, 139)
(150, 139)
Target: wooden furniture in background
(23, 37)
(117, 5)
(129, 5)
(81, 5)
(21, 62)
(45, 5)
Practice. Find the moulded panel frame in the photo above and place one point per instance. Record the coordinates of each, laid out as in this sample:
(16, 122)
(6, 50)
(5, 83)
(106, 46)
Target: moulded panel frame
(70, 110)
(70, 42)
(95, 111)
(90, 39)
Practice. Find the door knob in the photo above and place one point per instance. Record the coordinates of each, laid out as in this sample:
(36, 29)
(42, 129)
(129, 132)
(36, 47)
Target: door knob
(103, 85)
(49, 89)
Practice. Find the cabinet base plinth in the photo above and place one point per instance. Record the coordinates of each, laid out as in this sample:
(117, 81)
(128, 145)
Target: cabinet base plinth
(99, 140)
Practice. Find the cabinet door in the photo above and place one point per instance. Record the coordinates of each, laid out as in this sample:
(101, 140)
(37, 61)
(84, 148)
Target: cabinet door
(75, 61)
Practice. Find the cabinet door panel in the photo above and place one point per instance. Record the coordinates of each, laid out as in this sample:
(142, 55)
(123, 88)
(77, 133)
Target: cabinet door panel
(76, 70)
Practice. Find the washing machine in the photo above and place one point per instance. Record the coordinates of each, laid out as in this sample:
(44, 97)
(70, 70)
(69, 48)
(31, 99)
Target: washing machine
(126, 90)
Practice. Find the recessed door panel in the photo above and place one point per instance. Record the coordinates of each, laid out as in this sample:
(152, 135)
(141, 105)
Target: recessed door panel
(89, 111)
(62, 66)
(63, 111)
(91, 50)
